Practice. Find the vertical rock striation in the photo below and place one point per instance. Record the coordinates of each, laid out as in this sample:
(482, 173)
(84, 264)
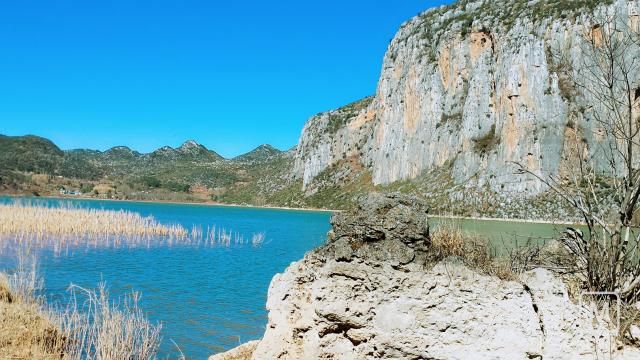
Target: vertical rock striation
(470, 87)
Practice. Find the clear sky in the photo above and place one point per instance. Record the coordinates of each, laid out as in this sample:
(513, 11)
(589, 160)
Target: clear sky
(229, 74)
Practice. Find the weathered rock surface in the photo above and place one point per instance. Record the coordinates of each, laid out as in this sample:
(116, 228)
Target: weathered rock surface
(330, 310)
(242, 352)
(469, 88)
(370, 294)
(387, 228)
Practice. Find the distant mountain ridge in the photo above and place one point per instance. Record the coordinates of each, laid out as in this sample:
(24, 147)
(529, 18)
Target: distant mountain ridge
(261, 153)
(187, 168)
(190, 148)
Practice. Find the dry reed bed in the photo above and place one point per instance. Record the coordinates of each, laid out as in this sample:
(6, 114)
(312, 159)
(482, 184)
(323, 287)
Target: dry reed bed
(40, 221)
(61, 228)
(65, 227)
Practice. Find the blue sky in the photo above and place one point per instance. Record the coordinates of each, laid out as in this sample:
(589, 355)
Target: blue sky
(230, 74)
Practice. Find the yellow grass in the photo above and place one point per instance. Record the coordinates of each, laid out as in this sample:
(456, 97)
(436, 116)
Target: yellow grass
(450, 241)
(26, 332)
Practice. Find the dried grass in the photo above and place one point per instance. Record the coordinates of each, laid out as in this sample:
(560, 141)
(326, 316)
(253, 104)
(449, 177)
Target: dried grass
(449, 240)
(68, 222)
(61, 228)
(97, 328)
(26, 332)
(90, 326)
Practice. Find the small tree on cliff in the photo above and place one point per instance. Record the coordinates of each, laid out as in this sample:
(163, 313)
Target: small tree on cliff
(602, 179)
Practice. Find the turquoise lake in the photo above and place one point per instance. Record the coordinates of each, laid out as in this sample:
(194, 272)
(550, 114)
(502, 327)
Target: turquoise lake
(208, 298)
(212, 298)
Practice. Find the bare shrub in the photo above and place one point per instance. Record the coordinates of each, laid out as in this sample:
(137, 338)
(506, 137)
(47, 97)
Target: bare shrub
(101, 329)
(524, 258)
(603, 178)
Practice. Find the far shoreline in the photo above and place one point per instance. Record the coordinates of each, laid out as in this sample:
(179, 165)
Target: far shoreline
(285, 208)
(523, 221)
(204, 203)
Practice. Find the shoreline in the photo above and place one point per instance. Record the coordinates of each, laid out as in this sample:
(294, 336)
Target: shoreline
(524, 221)
(213, 204)
(206, 203)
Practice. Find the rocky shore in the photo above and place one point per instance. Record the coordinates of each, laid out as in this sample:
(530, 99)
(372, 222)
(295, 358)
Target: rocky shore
(374, 292)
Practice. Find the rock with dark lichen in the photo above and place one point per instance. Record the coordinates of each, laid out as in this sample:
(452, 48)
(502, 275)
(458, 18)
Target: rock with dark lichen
(383, 227)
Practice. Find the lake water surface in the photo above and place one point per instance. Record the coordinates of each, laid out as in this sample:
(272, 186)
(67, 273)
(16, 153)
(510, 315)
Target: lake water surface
(208, 298)
(212, 298)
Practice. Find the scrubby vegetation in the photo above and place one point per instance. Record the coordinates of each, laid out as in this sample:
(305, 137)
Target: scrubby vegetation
(473, 250)
(465, 16)
(500, 14)
(454, 119)
(339, 118)
(29, 154)
(487, 142)
(189, 173)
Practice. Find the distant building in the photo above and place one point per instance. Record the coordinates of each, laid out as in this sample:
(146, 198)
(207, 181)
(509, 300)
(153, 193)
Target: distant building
(64, 191)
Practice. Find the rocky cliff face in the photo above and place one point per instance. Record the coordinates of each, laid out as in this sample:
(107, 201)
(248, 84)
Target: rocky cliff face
(469, 88)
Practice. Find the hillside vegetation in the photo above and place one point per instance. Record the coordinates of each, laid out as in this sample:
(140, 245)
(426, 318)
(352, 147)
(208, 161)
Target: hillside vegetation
(36, 166)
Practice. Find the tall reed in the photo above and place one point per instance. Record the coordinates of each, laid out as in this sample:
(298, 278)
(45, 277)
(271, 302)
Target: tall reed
(65, 227)
(97, 328)
(90, 326)
(41, 221)
(59, 228)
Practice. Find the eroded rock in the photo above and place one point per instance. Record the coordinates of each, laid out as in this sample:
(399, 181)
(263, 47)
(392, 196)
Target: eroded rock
(361, 297)
(390, 229)
(242, 352)
(361, 311)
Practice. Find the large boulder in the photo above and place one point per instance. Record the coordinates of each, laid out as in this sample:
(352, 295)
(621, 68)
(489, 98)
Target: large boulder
(369, 294)
(390, 228)
(324, 309)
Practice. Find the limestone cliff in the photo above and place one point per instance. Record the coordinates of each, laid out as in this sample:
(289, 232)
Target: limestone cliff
(468, 88)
